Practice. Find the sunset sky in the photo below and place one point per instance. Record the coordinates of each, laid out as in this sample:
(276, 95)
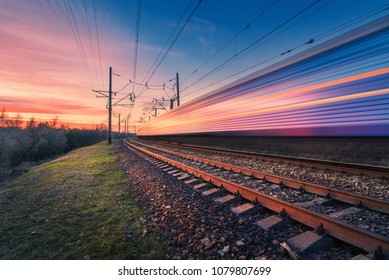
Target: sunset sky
(54, 53)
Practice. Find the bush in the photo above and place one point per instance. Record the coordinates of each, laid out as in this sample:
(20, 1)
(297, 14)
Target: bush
(39, 141)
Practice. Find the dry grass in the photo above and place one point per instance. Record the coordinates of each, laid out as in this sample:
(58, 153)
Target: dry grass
(76, 206)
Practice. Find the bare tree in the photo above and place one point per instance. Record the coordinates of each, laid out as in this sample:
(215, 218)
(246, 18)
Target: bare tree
(8, 122)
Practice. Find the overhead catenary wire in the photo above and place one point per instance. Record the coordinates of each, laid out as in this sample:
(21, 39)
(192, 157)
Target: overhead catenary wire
(148, 86)
(354, 21)
(291, 25)
(167, 41)
(245, 50)
(276, 56)
(171, 45)
(145, 85)
(90, 41)
(315, 39)
(98, 44)
(137, 32)
(256, 65)
(137, 28)
(234, 38)
(76, 34)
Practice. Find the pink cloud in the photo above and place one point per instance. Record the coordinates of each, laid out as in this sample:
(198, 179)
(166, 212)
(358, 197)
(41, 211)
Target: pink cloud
(41, 68)
(41, 71)
(48, 106)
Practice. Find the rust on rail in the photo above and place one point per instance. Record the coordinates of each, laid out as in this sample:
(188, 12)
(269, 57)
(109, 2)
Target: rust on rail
(368, 202)
(350, 234)
(358, 169)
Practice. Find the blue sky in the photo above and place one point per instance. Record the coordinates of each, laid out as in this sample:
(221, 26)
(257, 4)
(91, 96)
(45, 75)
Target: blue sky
(40, 32)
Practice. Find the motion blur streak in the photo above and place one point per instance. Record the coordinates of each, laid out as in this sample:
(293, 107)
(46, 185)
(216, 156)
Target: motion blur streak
(338, 88)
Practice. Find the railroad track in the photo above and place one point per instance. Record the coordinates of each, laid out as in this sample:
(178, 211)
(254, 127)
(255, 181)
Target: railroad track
(258, 191)
(359, 169)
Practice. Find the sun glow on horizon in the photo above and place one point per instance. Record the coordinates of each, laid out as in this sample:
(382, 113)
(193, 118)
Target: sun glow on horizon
(54, 53)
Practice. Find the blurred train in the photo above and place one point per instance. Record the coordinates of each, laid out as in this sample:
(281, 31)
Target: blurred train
(338, 88)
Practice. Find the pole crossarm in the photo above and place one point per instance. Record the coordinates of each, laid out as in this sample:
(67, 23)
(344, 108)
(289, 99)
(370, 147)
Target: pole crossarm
(102, 93)
(157, 102)
(177, 97)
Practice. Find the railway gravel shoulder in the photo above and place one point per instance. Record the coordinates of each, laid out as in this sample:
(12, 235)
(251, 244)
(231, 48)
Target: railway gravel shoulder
(185, 219)
(364, 185)
(274, 242)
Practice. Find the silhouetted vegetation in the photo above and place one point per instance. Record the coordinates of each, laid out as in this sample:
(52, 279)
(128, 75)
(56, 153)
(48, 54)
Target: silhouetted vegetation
(34, 141)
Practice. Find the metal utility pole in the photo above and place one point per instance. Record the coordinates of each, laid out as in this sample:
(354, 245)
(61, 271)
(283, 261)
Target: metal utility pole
(178, 90)
(103, 94)
(119, 124)
(177, 97)
(110, 108)
(171, 103)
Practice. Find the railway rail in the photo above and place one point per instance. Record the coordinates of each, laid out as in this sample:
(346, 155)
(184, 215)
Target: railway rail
(359, 169)
(361, 238)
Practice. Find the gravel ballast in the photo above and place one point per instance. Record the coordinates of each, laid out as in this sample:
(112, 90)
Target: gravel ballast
(193, 226)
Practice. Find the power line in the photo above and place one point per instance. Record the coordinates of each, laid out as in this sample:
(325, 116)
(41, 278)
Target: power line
(171, 45)
(76, 35)
(247, 26)
(132, 95)
(152, 86)
(288, 27)
(320, 37)
(98, 43)
(136, 42)
(168, 39)
(354, 21)
(90, 40)
(246, 49)
(256, 65)
(146, 85)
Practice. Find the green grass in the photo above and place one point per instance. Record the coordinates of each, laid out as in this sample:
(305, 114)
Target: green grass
(76, 206)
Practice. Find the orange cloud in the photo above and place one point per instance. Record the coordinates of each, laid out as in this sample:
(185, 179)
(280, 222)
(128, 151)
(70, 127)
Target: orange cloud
(41, 70)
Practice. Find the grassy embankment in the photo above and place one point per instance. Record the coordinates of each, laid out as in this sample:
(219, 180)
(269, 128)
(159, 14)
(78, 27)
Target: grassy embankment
(76, 207)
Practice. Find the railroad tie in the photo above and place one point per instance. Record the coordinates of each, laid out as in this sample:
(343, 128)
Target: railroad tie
(201, 185)
(243, 209)
(168, 168)
(178, 173)
(361, 257)
(225, 199)
(345, 212)
(310, 203)
(191, 181)
(184, 176)
(210, 191)
(270, 222)
(309, 241)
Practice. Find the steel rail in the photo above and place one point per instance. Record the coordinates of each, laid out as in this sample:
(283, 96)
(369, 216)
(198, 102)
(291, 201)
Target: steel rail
(358, 237)
(356, 199)
(353, 168)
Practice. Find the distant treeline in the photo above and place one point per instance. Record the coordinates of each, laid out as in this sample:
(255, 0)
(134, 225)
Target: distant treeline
(35, 141)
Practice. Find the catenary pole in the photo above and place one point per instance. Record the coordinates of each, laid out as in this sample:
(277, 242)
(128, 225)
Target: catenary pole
(110, 108)
(119, 125)
(178, 90)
